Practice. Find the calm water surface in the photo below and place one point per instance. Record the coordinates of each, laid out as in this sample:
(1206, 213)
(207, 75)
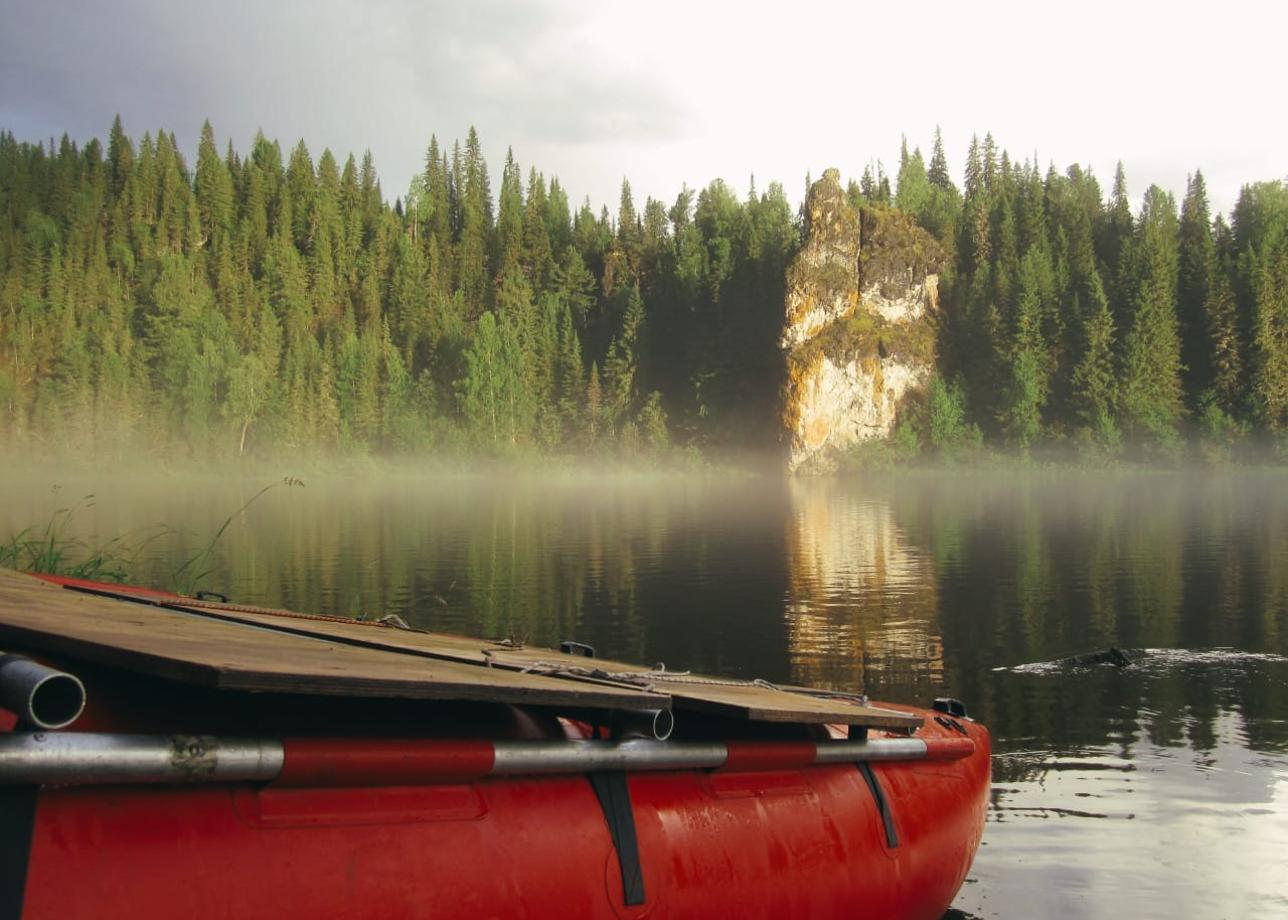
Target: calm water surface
(1160, 789)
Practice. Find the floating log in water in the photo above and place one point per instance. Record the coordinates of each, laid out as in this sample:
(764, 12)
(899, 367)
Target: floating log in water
(1119, 657)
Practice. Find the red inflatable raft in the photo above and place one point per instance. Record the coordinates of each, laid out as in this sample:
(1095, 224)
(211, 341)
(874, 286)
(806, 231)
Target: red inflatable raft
(166, 756)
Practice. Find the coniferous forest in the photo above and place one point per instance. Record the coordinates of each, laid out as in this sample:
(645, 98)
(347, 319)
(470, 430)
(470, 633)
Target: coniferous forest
(265, 304)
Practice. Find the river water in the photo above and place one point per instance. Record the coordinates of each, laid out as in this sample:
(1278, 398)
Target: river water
(1155, 789)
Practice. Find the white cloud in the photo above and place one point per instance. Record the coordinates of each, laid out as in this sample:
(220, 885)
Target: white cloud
(669, 92)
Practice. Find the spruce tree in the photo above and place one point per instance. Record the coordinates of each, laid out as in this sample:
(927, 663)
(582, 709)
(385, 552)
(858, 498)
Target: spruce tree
(558, 216)
(1222, 326)
(988, 161)
(1196, 262)
(867, 185)
(1260, 228)
(974, 175)
(214, 189)
(1113, 242)
(628, 224)
(913, 189)
(508, 250)
(472, 272)
(301, 185)
(1027, 376)
(1094, 382)
(938, 171)
(537, 253)
(622, 361)
(569, 376)
(120, 158)
(1151, 357)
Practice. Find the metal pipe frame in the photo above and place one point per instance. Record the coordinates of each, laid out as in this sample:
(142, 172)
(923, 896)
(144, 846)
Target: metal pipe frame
(85, 758)
(71, 758)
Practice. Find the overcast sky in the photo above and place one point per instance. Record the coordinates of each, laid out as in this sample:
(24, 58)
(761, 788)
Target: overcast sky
(671, 91)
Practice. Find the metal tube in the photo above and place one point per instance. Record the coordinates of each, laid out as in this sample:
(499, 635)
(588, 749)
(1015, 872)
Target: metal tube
(519, 758)
(875, 750)
(654, 724)
(78, 758)
(663, 724)
(74, 758)
(40, 696)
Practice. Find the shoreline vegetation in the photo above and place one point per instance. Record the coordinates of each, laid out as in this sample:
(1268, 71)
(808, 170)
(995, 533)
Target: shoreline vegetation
(57, 547)
(882, 458)
(260, 308)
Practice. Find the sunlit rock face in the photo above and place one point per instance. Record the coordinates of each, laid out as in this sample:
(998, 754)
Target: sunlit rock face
(858, 336)
(823, 281)
(843, 402)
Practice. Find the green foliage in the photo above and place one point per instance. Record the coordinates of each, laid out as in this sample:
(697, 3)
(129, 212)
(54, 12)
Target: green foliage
(621, 362)
(1196, 251)
(53, 551)
(864, 336)
(896, 452)
(652, 424)
(1151, 359)
(1094, 387)
(1261, 226)
(1220, 434)
(493, 399)
(947, 427)
(1021, 417)
(1027, 382)
(257, 304)
(253, 307)
(929, 197)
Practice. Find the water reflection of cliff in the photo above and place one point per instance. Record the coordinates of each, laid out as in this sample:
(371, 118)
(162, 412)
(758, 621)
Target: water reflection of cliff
(862, 605)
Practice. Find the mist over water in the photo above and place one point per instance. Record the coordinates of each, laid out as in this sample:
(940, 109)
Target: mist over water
(1156, 789)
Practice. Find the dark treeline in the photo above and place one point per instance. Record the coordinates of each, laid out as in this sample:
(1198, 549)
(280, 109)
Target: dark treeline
(269, 305)
(1069, 319)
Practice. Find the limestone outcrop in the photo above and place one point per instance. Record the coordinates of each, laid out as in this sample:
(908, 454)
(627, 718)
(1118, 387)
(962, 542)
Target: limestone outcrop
(859, 331)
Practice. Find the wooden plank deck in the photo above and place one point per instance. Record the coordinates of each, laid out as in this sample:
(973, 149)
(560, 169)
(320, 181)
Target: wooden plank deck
(740, 699)
(246, 656)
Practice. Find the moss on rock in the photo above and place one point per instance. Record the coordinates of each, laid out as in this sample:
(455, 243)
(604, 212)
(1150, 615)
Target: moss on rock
(896, 255)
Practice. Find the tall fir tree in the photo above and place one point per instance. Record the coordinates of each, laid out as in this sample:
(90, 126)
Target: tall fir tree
(1151, 351)
(938, 170)
(1221, 325)
(1196, 264)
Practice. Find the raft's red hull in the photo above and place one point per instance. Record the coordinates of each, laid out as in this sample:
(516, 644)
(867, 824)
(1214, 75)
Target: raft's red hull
(735, 842)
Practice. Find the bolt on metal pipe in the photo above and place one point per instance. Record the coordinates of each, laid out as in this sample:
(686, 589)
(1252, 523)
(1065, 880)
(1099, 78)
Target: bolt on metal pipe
(83, 758)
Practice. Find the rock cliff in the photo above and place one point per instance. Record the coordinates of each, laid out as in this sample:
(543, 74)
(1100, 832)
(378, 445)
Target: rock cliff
(859, 332)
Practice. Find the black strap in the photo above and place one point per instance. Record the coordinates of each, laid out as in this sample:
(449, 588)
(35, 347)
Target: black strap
(883, 806)
(615, 800)
(17, 821)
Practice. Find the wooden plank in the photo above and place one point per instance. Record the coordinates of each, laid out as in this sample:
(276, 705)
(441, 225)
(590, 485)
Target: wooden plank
(242, 656)
(347, 631)
(758, 702)
(741, 699)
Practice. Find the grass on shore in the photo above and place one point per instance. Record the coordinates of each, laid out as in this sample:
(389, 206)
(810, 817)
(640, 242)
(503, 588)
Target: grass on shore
(51, 550)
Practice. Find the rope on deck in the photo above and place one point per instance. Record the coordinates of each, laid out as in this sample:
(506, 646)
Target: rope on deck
(649, 679)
